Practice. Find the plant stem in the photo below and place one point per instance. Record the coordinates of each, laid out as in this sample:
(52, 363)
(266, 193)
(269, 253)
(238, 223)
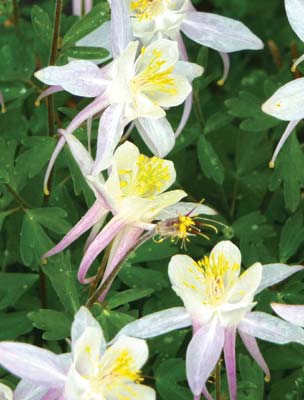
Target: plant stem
(42, 288)
(218, 380)
(198, 111)
(16, 13)
(52, 61)
(17, 197)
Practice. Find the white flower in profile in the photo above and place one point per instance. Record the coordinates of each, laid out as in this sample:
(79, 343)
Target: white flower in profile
(287, 102)
(218, 300)
(93, 371)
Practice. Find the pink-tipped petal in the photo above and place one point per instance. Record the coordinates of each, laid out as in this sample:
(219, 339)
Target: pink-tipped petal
(87, 221)
(94, 232)
(100, 242)
(48, 92)
(121, 27)
(293, 314)
(276, 273)
(157, 134)
(59, 146)
(270, 328)
(110, 130)
(290, 127)
(202, 355)
(206, 394)
(2, 103)
(88, 5)
(230, 363)
(32, 363)
(219, 33)
(226, 62)
(253, 349)
(77, 7)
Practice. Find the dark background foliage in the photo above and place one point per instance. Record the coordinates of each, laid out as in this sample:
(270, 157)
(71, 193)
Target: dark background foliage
(222, 156)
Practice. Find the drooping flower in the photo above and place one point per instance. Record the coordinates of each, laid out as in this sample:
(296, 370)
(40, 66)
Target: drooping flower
(132, 88)
(287, 102)
(218, 301)
(291, 313)
(93, 370)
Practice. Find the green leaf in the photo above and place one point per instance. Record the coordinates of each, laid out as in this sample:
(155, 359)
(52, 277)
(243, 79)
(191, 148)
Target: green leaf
(52, 218)
(14, 324)
(13, 286)
(168, 376)
(252, 379)
(42, 25)
(7, 156)
(86, 53)
(87, 24)
(288, 171)
(64, 281)
(56, 324)
(209, 161)
(151, 251)
(127, 296)
(143, 278)
(292, 236)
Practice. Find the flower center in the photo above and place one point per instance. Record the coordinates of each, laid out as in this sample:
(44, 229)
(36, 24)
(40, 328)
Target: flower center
(121, 371)
(147, 9)
(152, 175)
(154, 77)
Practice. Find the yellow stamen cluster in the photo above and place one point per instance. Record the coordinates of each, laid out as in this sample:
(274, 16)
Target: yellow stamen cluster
(152, 175)
(154, 77)
(121, 370)
(184, 225)
(147, 9)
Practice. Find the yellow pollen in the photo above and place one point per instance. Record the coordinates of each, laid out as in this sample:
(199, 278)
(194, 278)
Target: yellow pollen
(184, 226)
(155, 77)
(147, 9)
(152, 175)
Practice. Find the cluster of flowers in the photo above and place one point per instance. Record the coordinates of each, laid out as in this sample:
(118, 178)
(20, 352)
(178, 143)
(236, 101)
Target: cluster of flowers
(150, 73)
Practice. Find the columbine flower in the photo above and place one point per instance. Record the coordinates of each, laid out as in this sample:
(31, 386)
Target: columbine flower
(291, 313)
(78, 7)
(218, 301)
(132, 88)
(287, 102)
(92, 371)
(166, 18)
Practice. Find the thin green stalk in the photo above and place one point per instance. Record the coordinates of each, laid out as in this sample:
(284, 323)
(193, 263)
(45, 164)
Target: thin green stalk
(23, 204)
(52, 61)
(198, 111)
(218, 381)
(16, 13)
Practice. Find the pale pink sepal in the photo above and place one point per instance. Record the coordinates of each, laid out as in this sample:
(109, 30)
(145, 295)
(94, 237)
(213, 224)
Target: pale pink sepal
(291, 313)
(32, 363)
(253, 349)
(77, 7)
(88, 5)
(86, 222)
(125, 240)
(100, 242)
(59, 146)
(230, 362)
(121, 27)
(288, 131)
(47, 92)
(206, 394)
(202, 355)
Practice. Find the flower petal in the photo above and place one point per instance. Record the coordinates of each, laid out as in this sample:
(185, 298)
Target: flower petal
(270, 328)
(79, 77)
(156, 324)
(253, 349)
(91, 217)
(230, 362)
(32, 363)
(275, 273)
(110, 130)
(185, 208)
(121, 28)
(202, 355)
(6, 392)
(219, 33)
(293, 314)
(157, 134)
(230, 252)
(27, 390)
(295, 15)
(244, 289)
(286, 103)
(133, 391)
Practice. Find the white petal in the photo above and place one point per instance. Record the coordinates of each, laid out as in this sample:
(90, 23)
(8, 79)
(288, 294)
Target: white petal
(270, 328)
(202, 355)
(188, 69)
(27, 390)
(186, 208)
(132, 391)
(244, 289)
(5, 392)
(157, 134)
(126, 157)
(81, 78)
(219, 33)
(275, 273)
(121, 28)
(167, 50)
(293, 314)
(231, 254)
(180, 92)
(157, 323)
(295, 15)
(287, 102)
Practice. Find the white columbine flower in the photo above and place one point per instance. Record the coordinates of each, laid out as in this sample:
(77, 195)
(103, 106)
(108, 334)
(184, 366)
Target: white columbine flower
(93, 371)
(287, 102)
(218, 300)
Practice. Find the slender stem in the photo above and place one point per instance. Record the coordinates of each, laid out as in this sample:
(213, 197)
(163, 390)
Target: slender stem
(23, 204)
(105, 286)
(101, 270)
(52, 61)
(42, 288)
(16, 13)
(218, 380)
(198, 111)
